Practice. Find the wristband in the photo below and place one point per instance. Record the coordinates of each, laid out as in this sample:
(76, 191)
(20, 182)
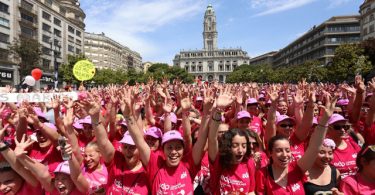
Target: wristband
(5, 147)
(324, 126)
(216, 117)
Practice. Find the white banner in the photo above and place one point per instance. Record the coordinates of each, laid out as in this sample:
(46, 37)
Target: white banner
(35, 97)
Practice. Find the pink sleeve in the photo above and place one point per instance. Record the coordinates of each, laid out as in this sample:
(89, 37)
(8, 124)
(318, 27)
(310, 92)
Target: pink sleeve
(260, 181)
(251, 170)
(346, 186)
(154, 164)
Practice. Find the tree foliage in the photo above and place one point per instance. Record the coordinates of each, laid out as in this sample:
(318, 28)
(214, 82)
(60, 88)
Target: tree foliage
(29, 52)
(66, 70)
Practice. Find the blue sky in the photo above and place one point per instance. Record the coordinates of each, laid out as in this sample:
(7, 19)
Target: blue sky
(159, 29)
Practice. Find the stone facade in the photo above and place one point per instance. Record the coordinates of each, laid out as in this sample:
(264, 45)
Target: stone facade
(367, 11)
(211, 63)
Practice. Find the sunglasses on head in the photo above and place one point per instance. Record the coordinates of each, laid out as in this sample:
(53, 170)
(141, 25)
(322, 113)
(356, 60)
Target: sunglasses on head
(371, 147)
(339, 127)
(286, 125)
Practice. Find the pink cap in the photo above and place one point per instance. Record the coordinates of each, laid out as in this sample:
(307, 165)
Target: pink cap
(281, 118)
(336, 118)
(172, 116)
(251, 101)
(315, 121)
(261, 96)
(63, 168)
(86, 120)
(199, 98)
(39, 113)
(77, 125)
(6, 113)
(51, 125)
(342, 102)
(154, 132)
(329, 143)
(243, 114)
(171, 135)
(82, 95)
(123, 123)
(127, 139)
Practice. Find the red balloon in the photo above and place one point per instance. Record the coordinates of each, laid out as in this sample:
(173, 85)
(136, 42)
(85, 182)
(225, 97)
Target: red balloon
(37, 74)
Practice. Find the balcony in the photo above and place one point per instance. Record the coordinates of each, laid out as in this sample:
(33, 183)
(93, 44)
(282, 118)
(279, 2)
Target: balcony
(28, 23)
(29, 36)
(28, 7)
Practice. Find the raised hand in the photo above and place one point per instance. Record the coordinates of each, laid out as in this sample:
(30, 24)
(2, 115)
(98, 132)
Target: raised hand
(168, 105)
(3, 130)
(225, 98)
(185, 104)
(22, 145)
(55, 102)
(359, 84)
(371, 84)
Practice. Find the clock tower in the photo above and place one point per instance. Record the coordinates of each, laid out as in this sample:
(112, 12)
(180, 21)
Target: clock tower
(209, 29)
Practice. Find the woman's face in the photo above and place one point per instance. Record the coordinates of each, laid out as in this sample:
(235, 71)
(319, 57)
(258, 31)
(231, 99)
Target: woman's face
(223, 127)
(238, 148)
(282, 108)
(364, 111)
(243, 123)
(325, 156)
(338, 130)
(285, 128)
(253, 109)
(91, 157)
(131, 154)
(63, 183)
(254, 145)
(87, 131)
(10, 182)
(173, 151)
(154, 143)
(281, 154)
(42, 140)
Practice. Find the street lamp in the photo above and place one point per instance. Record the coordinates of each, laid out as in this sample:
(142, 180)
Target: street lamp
(55, 44)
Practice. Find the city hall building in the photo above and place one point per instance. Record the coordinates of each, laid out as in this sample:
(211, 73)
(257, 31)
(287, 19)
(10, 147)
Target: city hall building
(211, 63)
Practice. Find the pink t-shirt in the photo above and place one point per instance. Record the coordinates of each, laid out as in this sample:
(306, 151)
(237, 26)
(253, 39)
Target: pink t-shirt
(267, 185)
(97, 179)
(50, 156)
(297, 147)
(354, 184)
(344, 160)
(203, 176)
(74, 192)
(171, 180)
(27, 189)
(240, 178)
(256, 125)
(121, 180)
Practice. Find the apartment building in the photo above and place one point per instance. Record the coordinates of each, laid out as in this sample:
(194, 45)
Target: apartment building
(367, 11)
(211, 63)
(263, 59)
(107, 53)
(58, 25)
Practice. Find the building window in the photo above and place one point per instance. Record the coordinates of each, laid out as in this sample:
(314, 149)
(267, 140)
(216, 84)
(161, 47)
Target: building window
(371, 28)
(234, 66)
(365, 31)
(227, 67)
(48, 2)
(57, 32)
(57, 21)
(78, 51)
(4, 22)
(199, 68)
(187, 68)
(46, 27)
(46, 16)
(210, 68)
(46, 39)
(4, 8)
(71, 29)
(70, 48)
(70, 39)
(27, 31)
(46, 63)
(193, 68)
(4, 38)
(78, 33)
(220, 68)
(46, 51)
(78, 42)
(27, 17)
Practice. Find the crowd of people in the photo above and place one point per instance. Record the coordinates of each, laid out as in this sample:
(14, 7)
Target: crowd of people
(183, 139)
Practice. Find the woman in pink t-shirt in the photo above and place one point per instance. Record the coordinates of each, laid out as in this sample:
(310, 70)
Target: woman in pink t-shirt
(364, 181)
(284, 176)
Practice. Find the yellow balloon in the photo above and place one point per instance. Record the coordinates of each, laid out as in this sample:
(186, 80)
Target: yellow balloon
(84, 70)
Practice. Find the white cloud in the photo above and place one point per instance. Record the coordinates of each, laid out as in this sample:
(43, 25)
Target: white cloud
(127, 21)
(336, 3)
(275, 6)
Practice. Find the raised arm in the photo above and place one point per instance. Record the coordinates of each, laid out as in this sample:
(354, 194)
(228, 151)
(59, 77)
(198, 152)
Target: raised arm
(316, 140)
(185, 106)
(354, 114)
(304, 127)
(271, 116)
(39, 170)
(11, 158)
(92, 107)
(50, 133)
(137, 134)
(371, 113)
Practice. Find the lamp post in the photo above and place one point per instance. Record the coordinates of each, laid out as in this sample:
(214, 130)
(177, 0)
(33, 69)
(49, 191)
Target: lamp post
(55, 44)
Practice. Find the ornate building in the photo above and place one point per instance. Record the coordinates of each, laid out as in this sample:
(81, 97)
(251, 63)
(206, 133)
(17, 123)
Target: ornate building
(58, 25)
(367, 11)
(107, 53)
(211, 63)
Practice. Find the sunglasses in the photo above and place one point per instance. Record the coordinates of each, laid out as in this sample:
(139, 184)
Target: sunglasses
(286, 126)
(339, 127)
(365, 109)
(371, 147)
(336, 112)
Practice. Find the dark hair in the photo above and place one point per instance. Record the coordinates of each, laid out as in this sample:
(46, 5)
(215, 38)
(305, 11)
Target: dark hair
(368, 155)
(255, 135)
(271, 143)
(226, 156)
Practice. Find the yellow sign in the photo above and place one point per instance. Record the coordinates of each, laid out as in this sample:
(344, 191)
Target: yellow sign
(84, 70)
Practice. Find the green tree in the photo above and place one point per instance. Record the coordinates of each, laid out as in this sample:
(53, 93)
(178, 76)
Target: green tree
(368, 47)
(29, 51)
(348, 61)
(66, 70)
